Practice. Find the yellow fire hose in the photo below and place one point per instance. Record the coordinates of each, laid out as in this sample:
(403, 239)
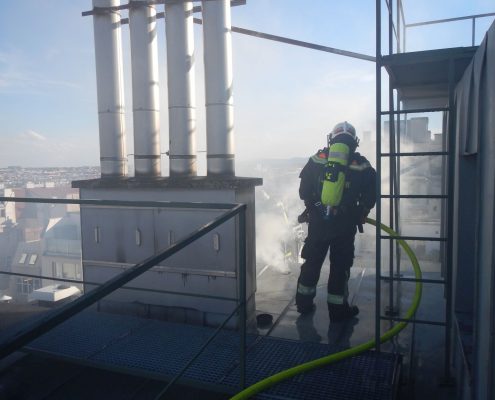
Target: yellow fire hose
(332, 358)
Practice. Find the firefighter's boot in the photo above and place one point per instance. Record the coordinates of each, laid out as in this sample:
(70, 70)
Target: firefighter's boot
(342, 312)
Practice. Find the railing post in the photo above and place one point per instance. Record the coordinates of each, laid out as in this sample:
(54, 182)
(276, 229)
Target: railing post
(405, 35)
(242, 296)
(390, 28)
(474, 32)
(398, 5)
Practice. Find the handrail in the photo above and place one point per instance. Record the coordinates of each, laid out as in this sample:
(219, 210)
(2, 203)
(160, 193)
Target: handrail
(122, 203)
(441, 21)
(406, 26)
(44, 324)
(473, 19)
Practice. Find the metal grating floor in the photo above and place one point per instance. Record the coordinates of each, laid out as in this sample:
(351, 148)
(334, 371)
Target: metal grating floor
(159, 350)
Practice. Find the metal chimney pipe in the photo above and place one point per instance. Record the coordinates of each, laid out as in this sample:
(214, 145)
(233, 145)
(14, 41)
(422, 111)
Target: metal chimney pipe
(217, 40)
(110, 89)
(145, 90)
(181, 96)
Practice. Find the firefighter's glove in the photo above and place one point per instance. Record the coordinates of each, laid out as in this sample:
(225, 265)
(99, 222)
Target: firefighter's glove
(303, 217)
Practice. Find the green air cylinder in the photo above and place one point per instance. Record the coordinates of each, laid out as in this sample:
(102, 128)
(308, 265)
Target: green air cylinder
(334, 181)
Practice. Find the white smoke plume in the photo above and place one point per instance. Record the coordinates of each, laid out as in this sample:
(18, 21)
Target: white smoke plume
(278, 234)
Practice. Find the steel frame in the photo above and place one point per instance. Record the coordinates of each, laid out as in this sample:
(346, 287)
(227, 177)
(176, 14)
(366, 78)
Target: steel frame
(394, 195)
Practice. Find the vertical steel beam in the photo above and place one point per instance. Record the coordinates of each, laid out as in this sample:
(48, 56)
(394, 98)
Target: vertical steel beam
(391, 146)
(450, 223)
(491, 373)
(378, 88)
(242, 297)
(398, 190)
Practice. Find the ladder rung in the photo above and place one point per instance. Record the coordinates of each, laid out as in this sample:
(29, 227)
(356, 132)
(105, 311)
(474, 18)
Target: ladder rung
(422, 238)
(416, 154)
(406, 279)
(416, 321)
(414, 196)
(416, 110)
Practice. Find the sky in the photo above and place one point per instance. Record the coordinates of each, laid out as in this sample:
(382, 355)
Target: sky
(286, 98)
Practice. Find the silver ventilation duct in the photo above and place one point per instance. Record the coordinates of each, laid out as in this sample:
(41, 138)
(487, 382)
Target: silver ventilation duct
(181, 83)
(217, 40)
(109, 79)
(145, 90)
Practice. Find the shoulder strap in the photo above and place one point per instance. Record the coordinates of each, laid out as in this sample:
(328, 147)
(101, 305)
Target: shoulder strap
(321, 157)
(356, 165)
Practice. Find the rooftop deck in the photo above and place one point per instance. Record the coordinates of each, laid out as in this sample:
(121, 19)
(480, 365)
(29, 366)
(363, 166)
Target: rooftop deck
(128, 349)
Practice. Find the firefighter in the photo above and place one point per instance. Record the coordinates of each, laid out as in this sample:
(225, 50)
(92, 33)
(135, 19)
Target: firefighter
(338, 189)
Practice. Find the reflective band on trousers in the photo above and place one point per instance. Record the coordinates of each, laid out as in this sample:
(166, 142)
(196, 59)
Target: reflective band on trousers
(335, 299)
(306, 290)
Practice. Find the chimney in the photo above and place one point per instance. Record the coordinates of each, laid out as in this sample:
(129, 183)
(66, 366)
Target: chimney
(145, 90)
(109, 73)
(181, 96)
(217, 39)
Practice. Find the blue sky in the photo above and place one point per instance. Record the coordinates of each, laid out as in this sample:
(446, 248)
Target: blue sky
(286, 98)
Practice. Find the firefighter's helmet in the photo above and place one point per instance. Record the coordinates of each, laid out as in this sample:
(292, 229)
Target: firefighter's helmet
(343, 128)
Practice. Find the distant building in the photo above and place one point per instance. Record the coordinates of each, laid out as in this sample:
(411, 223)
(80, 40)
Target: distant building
(9, 238)
(7, 209)
(42, 231)
(62, 249)
(27, 260)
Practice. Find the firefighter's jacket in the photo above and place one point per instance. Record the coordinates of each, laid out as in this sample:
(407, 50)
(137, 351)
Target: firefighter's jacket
(359, 195)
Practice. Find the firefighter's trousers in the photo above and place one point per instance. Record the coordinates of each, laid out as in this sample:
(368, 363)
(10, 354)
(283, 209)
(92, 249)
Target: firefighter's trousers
(341, 259)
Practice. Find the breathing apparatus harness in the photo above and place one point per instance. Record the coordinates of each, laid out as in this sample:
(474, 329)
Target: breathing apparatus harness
(341, 144)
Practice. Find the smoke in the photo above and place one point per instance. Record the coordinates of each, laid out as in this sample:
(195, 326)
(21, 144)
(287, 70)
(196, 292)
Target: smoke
(278, 234)
(271, 234)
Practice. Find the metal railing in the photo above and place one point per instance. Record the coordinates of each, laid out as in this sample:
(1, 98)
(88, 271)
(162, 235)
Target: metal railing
(398, 27)
(53, 318)
(473, 19)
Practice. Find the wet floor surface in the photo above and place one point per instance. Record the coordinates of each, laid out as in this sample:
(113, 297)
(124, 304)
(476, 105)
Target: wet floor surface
(422, 378)
(422, 373)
